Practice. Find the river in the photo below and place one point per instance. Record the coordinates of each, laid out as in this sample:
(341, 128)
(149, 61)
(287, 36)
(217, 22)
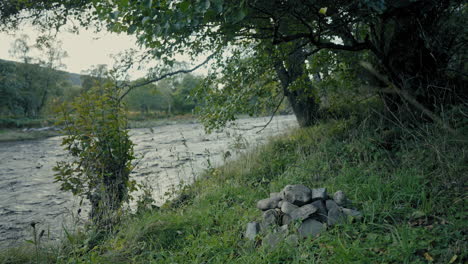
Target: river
(167, 156)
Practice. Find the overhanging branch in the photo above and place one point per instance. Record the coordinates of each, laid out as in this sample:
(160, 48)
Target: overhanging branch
(356, 46)
(164, 76)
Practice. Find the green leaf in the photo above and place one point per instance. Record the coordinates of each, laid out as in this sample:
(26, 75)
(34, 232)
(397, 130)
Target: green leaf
(323, 11)
(148, 3)
(238, 15)
(204, 5)
(115, 14)
(132, 29)
(184, 6)
(157, 29)
(209, 15)
(145, 19)
(218, 5)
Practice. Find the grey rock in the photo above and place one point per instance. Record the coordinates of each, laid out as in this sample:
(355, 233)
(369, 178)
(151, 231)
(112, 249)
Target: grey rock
(287, 207)
(303, 212)
(319, 194)
(275, 195)
(280, 203)
(352, 213)
(322, 212)
(270, 218)
(335, 215)
(330, 204)
(297, 194)
(292, 239)
(268, 203)
(271, 240)
(284, 229)
(253, 228)
(286, 219)
(310, 228)
(340, 198)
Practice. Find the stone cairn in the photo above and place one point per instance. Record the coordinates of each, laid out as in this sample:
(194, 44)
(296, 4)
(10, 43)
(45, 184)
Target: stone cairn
(299, 212)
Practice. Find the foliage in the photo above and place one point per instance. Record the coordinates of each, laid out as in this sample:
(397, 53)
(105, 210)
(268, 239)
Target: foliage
(414, 53)
(184, 87)
(97, 139)
(419, 46)
(27, 88)
(150, 98)
(171, 96)
(243, 84)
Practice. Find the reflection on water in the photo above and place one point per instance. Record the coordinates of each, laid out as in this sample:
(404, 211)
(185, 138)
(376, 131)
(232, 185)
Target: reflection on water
(167, 155)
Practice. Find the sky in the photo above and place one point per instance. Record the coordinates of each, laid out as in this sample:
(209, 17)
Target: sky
(84, 50)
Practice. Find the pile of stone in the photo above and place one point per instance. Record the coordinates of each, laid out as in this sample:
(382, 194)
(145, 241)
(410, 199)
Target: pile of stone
(299, 212)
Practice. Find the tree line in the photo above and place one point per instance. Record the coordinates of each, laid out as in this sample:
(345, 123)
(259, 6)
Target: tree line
(34, 87)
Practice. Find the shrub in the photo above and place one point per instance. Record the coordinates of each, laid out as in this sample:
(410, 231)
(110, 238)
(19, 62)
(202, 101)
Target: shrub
(101, 150)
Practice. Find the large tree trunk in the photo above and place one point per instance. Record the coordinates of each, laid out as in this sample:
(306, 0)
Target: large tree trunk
(298, 88)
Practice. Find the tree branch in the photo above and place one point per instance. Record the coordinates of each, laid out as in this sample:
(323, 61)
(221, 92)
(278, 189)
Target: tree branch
(272, 115)
(164, 76)
(357, 46)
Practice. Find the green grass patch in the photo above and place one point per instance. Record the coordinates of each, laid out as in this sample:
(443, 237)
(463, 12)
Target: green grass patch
(408, 183)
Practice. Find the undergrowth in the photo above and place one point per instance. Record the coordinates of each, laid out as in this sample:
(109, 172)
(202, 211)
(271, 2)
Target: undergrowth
(409, 184)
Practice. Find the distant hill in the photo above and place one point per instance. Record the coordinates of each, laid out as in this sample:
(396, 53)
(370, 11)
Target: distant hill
(73, 78)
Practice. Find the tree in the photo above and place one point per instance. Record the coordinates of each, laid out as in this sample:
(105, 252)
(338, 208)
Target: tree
(420, 45)
(151, 97)
(29, 84)
(9, 89)
(97, 138)
(184, 102)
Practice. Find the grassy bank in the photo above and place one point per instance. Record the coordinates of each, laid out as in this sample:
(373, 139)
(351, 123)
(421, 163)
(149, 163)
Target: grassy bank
(410, 185)
(11, 129)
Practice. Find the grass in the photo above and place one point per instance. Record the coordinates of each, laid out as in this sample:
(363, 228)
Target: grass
(410, 185)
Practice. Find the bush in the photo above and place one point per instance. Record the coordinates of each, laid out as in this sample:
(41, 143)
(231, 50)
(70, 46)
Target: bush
(102, 153)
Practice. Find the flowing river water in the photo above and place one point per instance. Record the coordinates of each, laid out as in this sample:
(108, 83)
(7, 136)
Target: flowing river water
(167, 156)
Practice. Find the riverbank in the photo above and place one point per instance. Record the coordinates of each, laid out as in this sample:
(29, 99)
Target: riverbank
(14, 134)
(168, 156)
(410, 185)
(19, 134)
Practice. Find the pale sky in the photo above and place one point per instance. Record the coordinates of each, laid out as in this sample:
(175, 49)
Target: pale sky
(84, 50)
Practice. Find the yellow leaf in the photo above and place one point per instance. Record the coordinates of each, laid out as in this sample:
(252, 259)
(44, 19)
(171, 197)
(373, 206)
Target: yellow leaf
(323, 11)
(452, 260)
(428, 257)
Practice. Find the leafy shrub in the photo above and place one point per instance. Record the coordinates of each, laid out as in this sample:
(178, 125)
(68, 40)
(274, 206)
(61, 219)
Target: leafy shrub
(102, 153)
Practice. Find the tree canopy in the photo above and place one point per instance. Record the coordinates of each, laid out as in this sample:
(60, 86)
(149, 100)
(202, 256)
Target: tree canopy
(418, 48)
